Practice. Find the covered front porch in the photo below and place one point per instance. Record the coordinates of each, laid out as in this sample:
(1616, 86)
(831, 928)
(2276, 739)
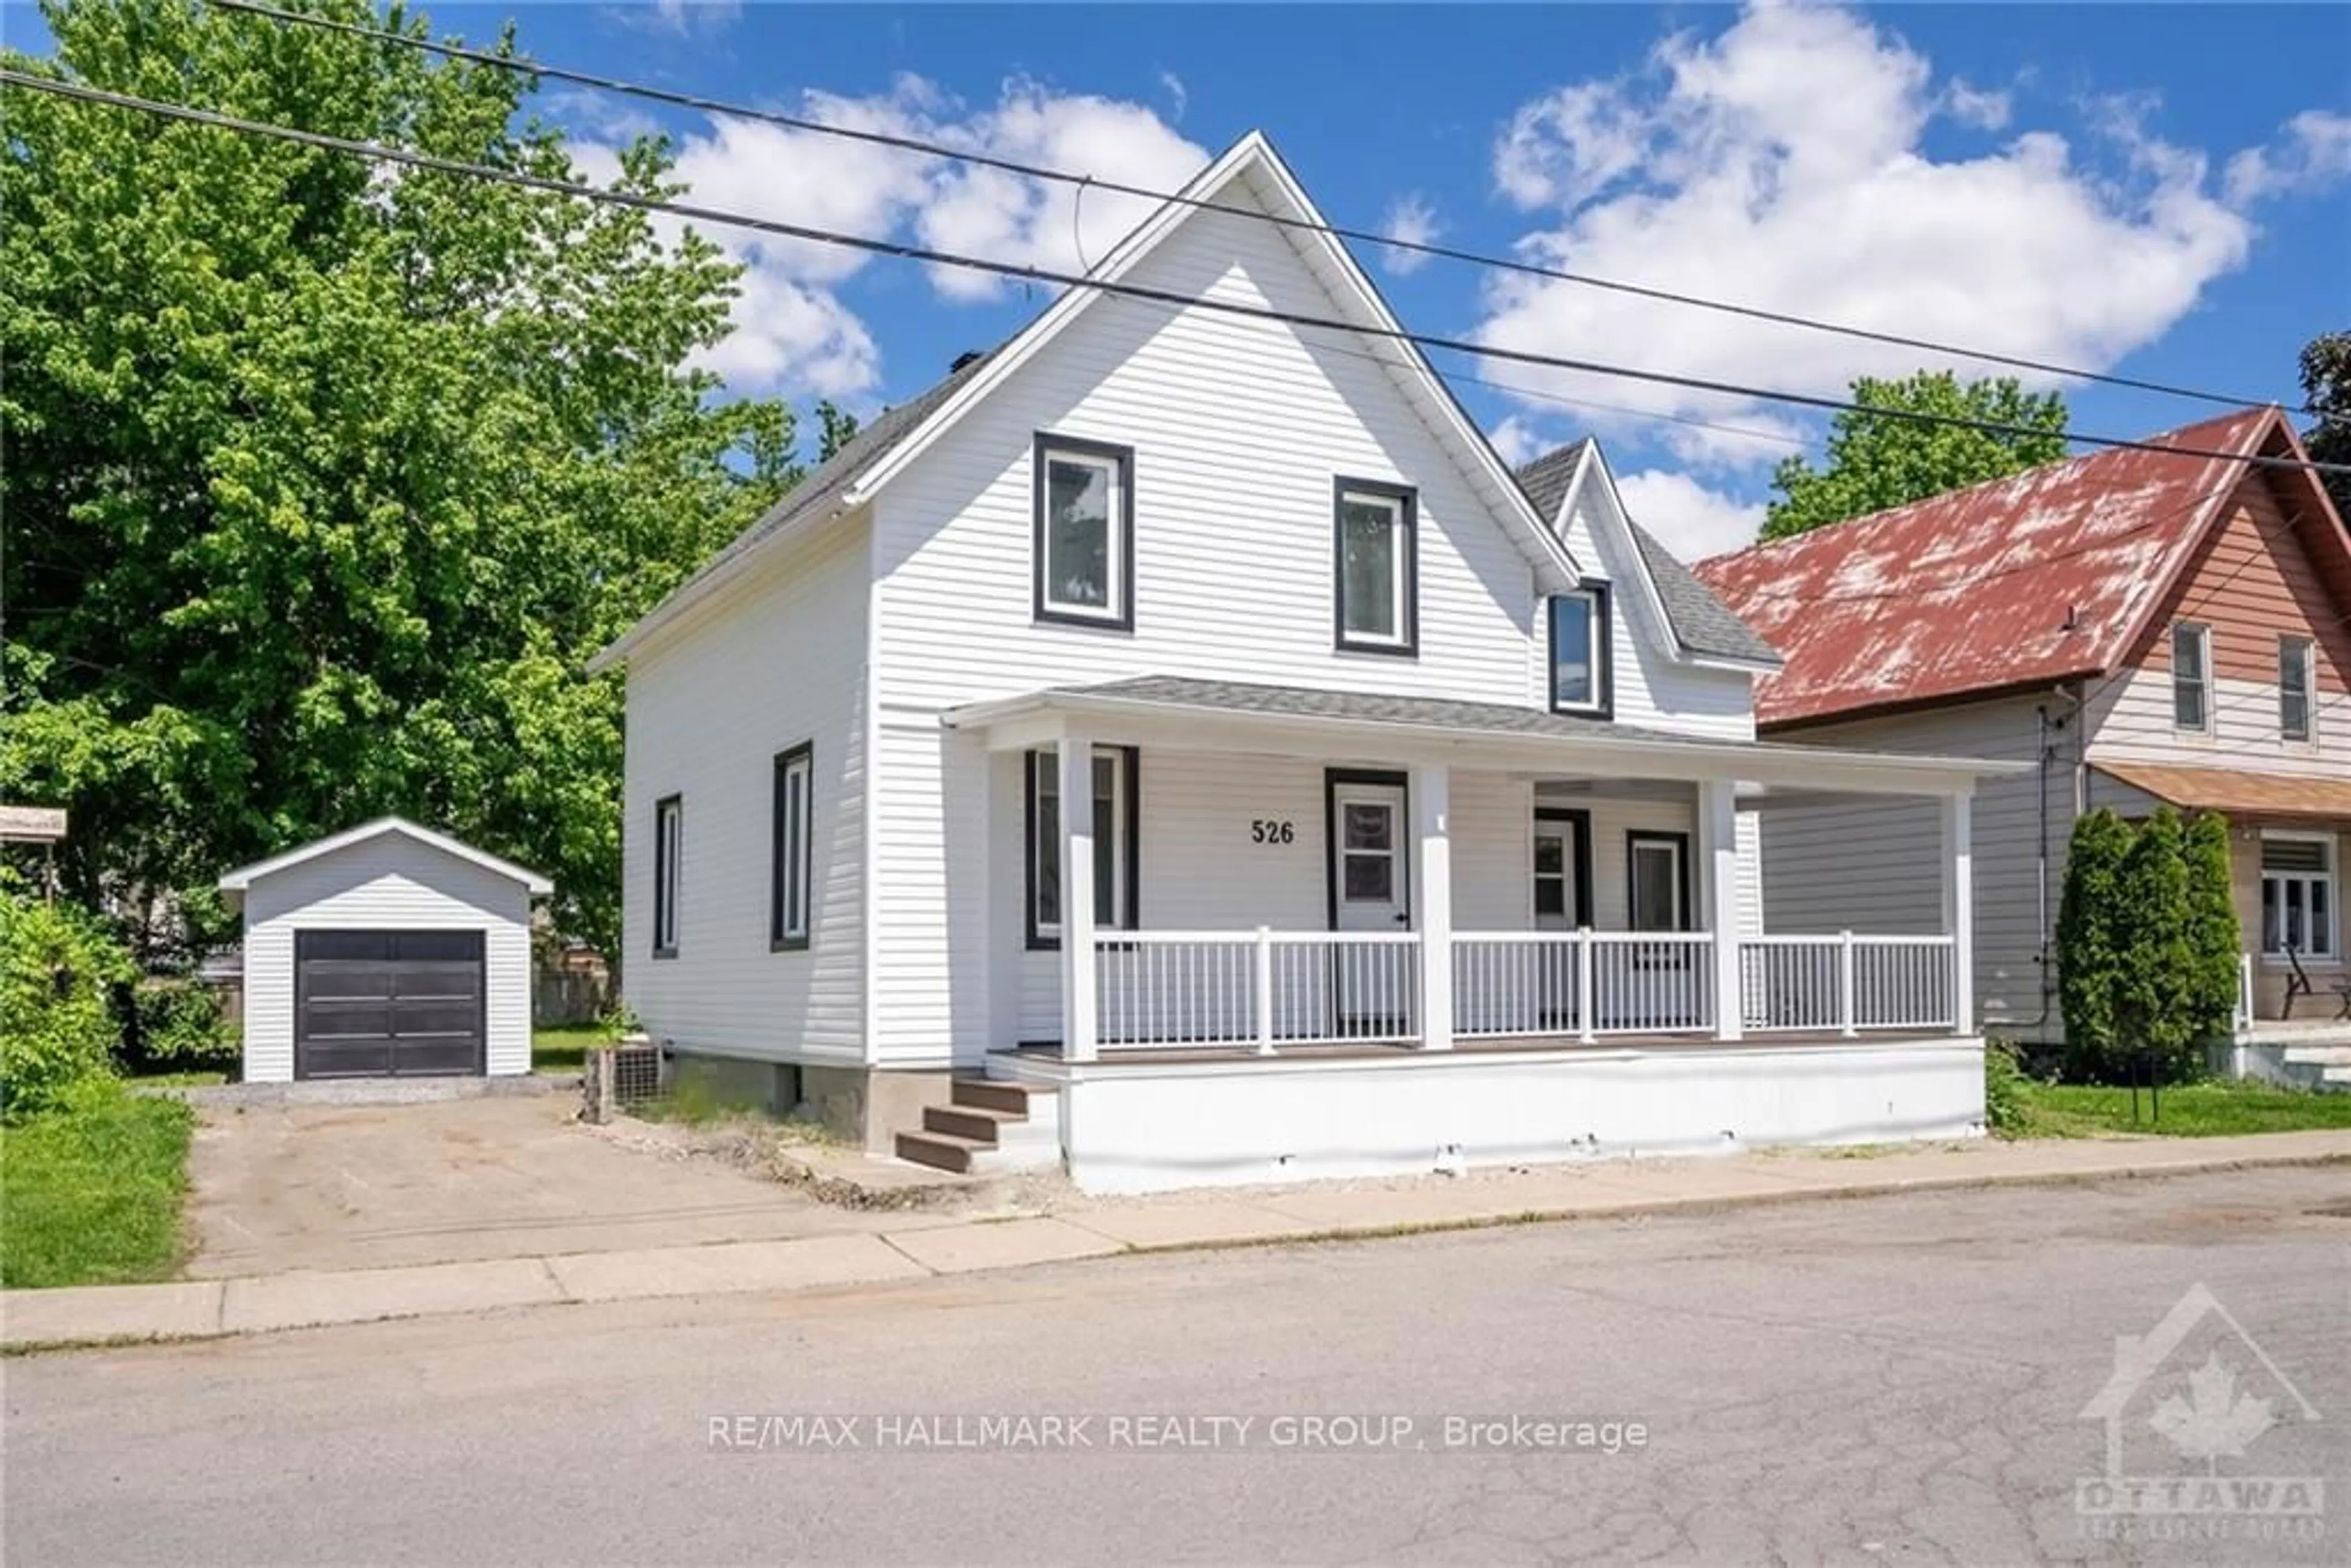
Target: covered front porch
(1476, 874)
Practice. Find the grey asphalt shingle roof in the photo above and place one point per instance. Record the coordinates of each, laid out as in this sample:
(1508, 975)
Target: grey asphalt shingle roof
(1701, 622)
(1443, 713)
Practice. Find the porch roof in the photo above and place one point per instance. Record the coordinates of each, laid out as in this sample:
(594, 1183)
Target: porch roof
(2237, 791)
(1507, 736)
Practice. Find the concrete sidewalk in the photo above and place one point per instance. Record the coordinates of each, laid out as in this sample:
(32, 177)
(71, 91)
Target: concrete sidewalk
(1599, 1189)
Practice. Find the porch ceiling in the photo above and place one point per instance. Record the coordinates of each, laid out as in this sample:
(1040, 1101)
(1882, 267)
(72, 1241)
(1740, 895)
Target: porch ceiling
(1209, 714)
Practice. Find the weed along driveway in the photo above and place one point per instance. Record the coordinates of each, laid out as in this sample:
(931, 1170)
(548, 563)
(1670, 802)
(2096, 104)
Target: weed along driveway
(281, 1188)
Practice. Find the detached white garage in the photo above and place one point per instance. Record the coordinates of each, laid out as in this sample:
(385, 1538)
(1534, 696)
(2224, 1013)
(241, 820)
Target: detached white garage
(386, 951)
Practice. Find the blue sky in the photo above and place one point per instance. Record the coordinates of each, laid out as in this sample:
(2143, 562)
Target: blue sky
(2160, 190)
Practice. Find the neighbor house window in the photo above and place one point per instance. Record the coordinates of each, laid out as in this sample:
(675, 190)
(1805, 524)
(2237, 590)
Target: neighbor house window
(2191, 676)
(669, 854)
(1084, 540)
(1117, 834)
(1376, 587)
(2294, 687)
(2298, 895)
(787, 883)
(1658, 884)
(1579, 651)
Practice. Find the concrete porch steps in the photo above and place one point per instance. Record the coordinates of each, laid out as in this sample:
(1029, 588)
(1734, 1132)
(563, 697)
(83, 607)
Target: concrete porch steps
(987, 1126)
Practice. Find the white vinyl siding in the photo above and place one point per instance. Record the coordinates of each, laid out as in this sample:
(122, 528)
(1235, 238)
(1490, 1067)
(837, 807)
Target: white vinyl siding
(389, 882)
(2130, 716)
(778, 662)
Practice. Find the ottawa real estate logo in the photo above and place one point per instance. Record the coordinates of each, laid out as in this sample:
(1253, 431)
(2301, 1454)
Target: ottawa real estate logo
(2199, 1438)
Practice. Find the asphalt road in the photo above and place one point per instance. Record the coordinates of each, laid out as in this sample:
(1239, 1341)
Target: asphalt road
(1890, 1380)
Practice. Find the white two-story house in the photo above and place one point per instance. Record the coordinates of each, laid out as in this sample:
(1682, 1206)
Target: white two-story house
(1409, 790)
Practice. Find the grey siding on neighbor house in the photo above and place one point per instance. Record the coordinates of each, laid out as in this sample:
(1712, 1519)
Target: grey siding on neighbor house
(1878, 867)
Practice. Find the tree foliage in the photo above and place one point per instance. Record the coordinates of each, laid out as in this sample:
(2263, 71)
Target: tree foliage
(1878, 460)
(2147, 943)
(323, 478)
(2326, 387)
(58, 971)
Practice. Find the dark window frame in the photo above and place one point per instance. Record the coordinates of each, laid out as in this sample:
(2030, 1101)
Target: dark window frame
(1129, 760)
(1634, 838)
(1407, 645)
(2204, 685)
(1579, 856)
(669, 874)
(2287, 730)
(1603, 659)
(786, 860)
(1122, 548)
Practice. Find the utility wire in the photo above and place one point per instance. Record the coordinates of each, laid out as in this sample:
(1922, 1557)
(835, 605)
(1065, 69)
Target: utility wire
(905, 252)
(527, 65)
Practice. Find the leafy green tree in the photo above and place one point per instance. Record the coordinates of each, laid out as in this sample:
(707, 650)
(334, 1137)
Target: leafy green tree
(58, 970)
(2090, 947)
(2213, 936)
(323, 478)
(2155, 1009)
(1879, 460)
(2326, 387)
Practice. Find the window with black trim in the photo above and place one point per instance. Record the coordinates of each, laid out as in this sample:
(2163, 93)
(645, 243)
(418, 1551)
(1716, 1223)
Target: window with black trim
(1118, 831)
(2295, 679)
(669, 855)
(787, 881)
(1579, 651)
(1375, 567)
(1656, 882)
(2191, 676)
(1083, 544)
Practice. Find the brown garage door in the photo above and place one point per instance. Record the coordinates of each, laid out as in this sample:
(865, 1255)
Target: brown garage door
(377, 1004)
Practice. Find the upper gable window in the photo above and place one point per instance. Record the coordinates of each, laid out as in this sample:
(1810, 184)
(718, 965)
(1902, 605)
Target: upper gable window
(2294, 684)
(2191, 676)
(1376, 586)
(1579, 651)
(1085, 539)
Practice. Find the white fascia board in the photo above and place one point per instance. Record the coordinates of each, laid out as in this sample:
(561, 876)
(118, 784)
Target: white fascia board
(1037, 715)
(244, 877)
(1674, 649)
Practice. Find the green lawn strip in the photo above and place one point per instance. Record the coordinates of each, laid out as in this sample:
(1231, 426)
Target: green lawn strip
(564, 1049)
(2189, 1111)
(92, 1195)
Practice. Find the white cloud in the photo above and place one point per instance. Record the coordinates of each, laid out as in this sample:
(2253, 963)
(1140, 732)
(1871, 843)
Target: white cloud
(793, 333)
(1518, 441)
(1782, 165)
(1179, 97)
(1410, 221)
(2314, 152)
(1986, 109)
(1691, 520)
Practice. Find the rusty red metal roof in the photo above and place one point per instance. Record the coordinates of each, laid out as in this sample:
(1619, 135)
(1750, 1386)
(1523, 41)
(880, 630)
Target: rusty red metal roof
(2036, 578)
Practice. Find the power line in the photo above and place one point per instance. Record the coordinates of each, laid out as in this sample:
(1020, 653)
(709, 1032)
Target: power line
(527, 65)
(1026, 273)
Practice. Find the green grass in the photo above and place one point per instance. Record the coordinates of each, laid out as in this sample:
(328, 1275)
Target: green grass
(2190, 1111)
(565, 1048)
(92, 1193)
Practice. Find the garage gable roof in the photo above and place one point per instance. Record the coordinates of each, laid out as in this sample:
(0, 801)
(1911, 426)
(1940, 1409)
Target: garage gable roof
(245, 877)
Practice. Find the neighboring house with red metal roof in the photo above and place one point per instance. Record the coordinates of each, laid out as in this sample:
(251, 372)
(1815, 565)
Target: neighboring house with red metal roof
(2149, 627)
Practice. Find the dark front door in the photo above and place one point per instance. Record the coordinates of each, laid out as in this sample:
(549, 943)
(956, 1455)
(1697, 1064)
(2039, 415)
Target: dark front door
(386, 1004)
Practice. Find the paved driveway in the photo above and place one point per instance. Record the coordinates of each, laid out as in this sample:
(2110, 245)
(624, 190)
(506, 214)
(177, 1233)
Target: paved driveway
(279, 1187)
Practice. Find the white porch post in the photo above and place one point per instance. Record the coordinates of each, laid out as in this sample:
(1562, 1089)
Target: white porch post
(1718, 833)
(1432, 808)
(1960, 907)
(1077, 812)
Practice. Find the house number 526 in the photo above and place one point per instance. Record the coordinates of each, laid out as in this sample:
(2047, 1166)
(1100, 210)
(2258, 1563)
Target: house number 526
(1264, 831)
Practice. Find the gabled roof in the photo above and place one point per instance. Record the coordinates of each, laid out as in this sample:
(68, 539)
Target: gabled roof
(1700, 624)
(244, 877)
(2049, 575)
(861, 469)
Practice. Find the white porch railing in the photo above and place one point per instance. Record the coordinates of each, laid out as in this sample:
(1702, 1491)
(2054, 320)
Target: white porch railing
(1584, 983)
(1264, 988)
(1652, 982)
(1846, 983)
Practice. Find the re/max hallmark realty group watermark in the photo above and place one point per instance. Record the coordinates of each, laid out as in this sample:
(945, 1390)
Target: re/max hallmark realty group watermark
(1165, 1433)
(2194, 1394)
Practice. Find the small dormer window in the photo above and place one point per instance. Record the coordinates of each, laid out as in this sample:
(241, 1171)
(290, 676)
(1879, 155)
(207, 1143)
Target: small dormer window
(2191, 676)
(1579, 651)
(1083, 545)
(1377, 587)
